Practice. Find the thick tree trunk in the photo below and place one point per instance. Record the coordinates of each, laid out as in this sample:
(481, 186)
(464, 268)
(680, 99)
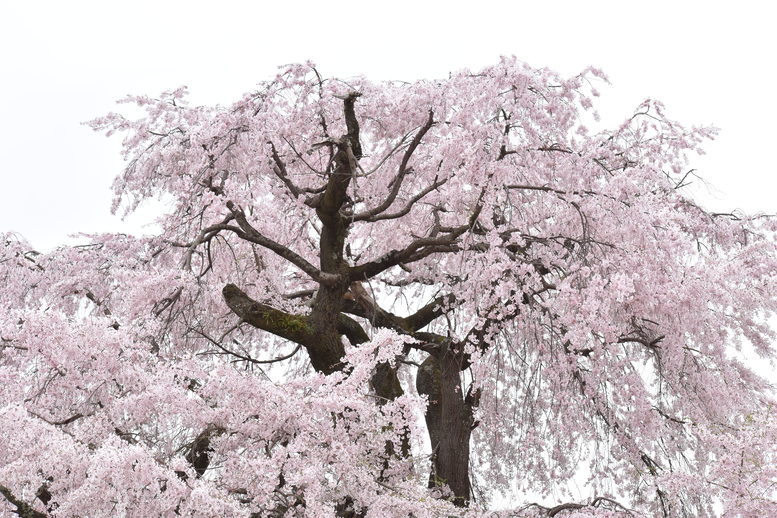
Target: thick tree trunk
(449, 422)
(322, 330)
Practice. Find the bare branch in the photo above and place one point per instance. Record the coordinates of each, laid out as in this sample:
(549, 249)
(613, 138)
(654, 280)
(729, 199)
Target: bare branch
(62, 422)
(396, 183)
(436, 308)
(279, 168)
(415, 251)
(249, 233)
(406, 209)
(299, 294)
(245, 357)
(352, 123)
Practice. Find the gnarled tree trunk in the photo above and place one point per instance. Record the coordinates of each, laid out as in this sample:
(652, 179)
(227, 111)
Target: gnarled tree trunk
(449, 422)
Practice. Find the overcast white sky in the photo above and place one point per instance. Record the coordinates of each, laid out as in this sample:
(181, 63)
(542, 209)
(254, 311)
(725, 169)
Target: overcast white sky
(67, 62)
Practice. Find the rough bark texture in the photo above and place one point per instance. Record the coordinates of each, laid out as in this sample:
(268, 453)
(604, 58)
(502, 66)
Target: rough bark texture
(23, 509)
(449, 414)
(321, 332)
(449, 421)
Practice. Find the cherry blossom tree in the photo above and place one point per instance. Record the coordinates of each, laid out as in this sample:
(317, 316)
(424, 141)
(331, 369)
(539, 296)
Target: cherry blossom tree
(395, 300)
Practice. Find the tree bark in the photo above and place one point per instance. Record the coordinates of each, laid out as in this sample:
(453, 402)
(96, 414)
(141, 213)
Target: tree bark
(321, 332)
(23, 509)
(449, 422)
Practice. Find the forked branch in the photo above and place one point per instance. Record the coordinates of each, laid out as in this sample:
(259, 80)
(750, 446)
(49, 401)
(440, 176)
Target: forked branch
(396, 183)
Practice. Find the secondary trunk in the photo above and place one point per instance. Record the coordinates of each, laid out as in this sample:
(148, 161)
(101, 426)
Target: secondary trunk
(449, 422)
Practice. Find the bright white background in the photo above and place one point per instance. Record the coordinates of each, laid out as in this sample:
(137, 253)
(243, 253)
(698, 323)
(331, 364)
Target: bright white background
(64, 62)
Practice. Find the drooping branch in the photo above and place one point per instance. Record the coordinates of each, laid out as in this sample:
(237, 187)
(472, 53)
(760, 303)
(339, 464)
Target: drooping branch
(599, 502)
(244, 357)
(653, 467)
(62, 422)
(561, 193)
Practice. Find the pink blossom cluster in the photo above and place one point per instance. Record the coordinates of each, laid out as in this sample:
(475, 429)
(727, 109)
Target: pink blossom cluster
(613, 313)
